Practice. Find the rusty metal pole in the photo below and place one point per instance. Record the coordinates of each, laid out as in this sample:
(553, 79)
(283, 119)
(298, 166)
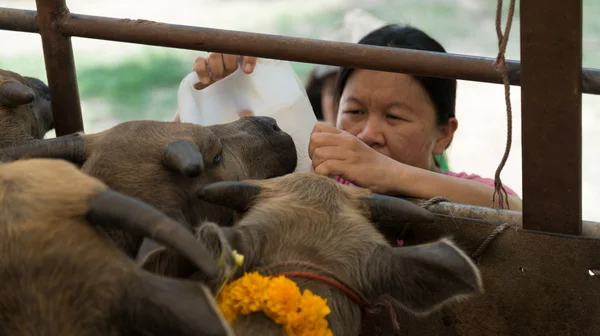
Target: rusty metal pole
(551, 60)
(295, 49)
(60, 66)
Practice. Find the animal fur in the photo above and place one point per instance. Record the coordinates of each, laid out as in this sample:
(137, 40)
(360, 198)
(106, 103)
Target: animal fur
(25, 111)
(165, 164)
(310, 218)
(59, 276)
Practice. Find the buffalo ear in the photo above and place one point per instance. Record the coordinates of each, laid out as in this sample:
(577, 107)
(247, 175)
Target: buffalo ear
(166, 262)
(164, 306)
(424, 277)
(220, 242)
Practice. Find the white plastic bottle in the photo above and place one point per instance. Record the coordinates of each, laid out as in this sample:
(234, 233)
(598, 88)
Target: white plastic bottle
(272, 89)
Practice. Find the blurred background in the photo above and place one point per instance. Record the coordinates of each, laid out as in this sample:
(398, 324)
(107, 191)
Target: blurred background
(119, 82)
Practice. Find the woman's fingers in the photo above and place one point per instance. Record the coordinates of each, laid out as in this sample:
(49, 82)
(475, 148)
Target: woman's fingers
(218, 66)
(322, 139)
(330, 168)
(323, 154)
(325, 127)
(200, 67)
(248, 64)
(230, 63)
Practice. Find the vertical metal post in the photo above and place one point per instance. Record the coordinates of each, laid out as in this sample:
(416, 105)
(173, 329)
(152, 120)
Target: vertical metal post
(60, 66)
(551, 60)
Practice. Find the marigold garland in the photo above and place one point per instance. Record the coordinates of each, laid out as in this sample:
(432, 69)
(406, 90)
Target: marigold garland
(279, 298)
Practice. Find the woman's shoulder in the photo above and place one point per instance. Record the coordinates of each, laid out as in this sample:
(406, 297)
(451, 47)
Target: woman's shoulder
(478, 178)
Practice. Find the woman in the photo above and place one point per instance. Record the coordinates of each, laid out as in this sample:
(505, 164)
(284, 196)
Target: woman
(390, 126)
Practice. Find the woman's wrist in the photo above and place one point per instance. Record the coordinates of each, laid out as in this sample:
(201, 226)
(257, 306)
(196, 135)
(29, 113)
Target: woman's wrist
(409, 181)
(397, 179)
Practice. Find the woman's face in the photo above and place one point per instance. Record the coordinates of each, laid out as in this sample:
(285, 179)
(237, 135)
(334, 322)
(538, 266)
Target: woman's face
(393, 114)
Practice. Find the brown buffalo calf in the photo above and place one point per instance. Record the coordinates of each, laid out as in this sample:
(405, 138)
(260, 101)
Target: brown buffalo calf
(165, 164)
(332, 235)
(60, 276)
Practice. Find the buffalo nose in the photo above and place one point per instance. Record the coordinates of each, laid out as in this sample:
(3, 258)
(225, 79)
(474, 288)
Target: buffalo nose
(269, 122)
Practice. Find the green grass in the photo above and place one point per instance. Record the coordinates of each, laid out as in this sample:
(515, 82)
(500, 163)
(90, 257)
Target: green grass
(130, 84)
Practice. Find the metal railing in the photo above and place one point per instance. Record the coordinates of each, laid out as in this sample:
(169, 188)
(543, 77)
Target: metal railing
(550, 75)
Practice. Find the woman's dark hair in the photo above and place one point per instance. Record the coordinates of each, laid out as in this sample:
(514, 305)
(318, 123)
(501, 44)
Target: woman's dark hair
(441, 91)
(313, 87)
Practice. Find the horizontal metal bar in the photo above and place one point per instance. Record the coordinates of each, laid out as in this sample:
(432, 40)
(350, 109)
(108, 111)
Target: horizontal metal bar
(418, 62)
(18, 20)
(495, 216)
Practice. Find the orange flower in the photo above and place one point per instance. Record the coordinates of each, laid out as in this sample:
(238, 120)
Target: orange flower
(280, 299)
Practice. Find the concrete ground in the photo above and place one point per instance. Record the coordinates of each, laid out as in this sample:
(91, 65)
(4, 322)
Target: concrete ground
(481, 138)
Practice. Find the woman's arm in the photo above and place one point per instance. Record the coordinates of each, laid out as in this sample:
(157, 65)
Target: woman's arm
(416, 182)
(338, 153)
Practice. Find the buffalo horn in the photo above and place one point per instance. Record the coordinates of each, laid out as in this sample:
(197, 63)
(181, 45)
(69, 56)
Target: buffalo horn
(388, 213)
(115, 210)
(70, 148)
(184, 157)
(235, 195)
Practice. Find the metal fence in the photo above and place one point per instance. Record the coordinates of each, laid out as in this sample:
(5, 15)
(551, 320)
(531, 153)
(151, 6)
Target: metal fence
(550, 74)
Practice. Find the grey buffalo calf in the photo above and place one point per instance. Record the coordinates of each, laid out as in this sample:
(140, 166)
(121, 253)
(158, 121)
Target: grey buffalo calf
(60, 276)
(317, 231)
(25, 111)
(165, 164)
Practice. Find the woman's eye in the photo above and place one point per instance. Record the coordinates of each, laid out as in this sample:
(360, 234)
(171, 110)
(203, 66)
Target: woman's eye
(352, 112)
(394, 117)
(217, 158)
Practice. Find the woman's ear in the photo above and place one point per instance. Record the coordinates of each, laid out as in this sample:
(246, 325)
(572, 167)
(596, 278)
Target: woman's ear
(445, 135)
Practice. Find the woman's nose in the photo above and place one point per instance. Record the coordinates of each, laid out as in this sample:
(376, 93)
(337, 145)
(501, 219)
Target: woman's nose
(372, 133)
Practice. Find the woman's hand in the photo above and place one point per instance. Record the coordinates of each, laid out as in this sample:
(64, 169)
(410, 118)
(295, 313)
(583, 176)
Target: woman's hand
(339, 153)
(218, 66)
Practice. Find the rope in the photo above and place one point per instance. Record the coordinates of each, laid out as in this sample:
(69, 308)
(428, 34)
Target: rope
(369, 308)
(500, 65)
(427, 203)
(434, 200)
(489, 239)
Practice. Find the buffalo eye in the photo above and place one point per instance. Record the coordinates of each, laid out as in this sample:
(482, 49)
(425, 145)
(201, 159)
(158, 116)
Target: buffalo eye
(217, 158)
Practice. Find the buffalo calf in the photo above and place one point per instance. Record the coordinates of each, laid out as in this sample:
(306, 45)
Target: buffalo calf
(165, 164)
(330, 239)
(60, 276)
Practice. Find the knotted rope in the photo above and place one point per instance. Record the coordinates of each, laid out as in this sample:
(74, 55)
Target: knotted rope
(500, 65)
(483, 246)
